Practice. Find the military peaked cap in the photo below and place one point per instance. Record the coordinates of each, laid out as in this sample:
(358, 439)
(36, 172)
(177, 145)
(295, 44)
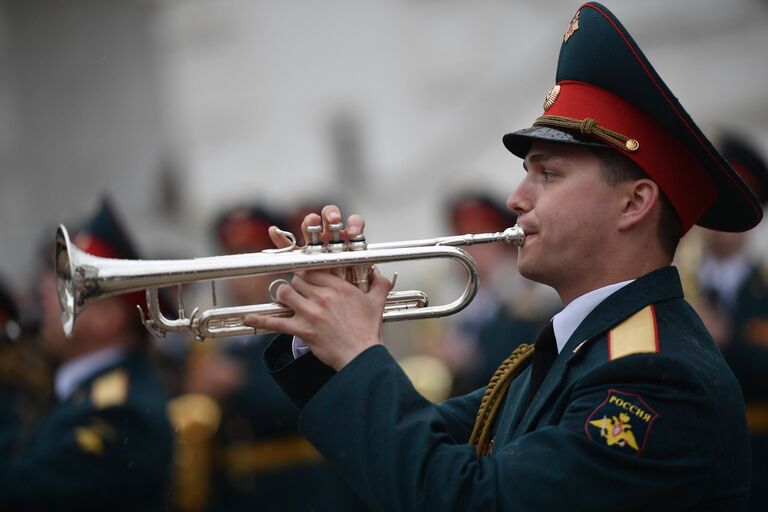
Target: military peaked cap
(103, 235)
(608, 94)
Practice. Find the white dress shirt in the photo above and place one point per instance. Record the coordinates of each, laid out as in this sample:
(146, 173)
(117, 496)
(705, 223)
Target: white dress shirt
(566, 321)
(725, 276)
(73, 373)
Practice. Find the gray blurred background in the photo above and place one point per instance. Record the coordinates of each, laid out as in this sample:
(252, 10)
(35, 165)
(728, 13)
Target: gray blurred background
(177, 108)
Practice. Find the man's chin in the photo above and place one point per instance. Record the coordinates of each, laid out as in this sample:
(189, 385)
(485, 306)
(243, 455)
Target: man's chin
(528, 270)
(532, 269)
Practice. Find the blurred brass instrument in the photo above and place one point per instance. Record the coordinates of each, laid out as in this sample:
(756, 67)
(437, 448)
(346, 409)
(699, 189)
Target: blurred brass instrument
(83, 279)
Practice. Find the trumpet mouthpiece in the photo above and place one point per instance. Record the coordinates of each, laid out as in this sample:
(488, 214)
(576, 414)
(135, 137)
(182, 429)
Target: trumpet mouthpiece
(514, 235)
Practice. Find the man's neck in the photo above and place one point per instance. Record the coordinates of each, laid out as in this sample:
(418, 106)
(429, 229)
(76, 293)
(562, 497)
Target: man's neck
(601, 277)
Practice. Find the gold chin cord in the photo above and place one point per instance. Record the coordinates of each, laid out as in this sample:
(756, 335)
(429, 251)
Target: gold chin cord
(493, 398)
(589, 126)
(83, 278)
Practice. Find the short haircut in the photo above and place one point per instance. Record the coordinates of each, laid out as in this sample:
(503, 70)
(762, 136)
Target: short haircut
(616, 169)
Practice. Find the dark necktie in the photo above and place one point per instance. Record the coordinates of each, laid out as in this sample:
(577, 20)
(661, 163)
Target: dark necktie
(713, 297)
(545, 353)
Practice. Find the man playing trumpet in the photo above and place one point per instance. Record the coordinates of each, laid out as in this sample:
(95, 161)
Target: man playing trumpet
(626, 400)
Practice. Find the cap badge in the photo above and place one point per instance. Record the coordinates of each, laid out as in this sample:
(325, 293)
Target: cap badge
(549, 100)
(572, 27)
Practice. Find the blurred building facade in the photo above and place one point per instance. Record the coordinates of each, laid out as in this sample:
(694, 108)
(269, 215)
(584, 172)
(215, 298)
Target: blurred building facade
(179, 107)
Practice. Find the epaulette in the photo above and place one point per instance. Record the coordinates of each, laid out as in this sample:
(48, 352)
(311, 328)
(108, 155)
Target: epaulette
(638, 334)
(110, 389)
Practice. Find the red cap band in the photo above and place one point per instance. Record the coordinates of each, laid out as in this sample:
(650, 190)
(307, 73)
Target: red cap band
(245, 233)
(680, 176)
(97, 247)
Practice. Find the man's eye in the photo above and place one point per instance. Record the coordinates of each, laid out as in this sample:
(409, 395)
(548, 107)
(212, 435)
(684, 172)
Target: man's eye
(548, 176)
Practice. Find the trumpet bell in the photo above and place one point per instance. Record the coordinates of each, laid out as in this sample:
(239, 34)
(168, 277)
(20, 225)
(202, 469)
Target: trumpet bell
(64, 280)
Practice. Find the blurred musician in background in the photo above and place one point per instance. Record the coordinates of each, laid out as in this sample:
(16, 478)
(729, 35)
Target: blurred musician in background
(106, 444)
(26, 387)
(259, 455)
(729, 289)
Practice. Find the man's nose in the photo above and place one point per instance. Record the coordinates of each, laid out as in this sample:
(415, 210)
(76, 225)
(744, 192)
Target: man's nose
(519, 200)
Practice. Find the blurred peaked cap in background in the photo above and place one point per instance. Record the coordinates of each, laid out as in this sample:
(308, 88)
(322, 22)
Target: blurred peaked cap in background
(245, 226)
(608, 93)
(103, 234)
(478, 208)
(746, 160)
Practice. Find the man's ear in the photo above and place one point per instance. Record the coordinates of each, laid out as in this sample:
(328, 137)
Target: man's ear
(639, 199)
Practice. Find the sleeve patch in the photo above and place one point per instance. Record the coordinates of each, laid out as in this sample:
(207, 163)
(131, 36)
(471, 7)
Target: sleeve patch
(637, 334)
(623, 422)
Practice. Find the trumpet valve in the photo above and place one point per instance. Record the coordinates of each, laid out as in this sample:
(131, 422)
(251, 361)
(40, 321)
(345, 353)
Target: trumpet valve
(359, 274)
(315, 245)
(337, 245)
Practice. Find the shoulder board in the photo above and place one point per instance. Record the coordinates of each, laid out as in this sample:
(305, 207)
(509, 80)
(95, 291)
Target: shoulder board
(110, 389)
(638, 334)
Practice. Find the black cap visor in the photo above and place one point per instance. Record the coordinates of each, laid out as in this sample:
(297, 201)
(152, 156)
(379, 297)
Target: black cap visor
(520, 142)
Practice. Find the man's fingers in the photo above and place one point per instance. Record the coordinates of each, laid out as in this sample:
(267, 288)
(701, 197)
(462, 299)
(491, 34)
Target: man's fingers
(319, 278)
(307, 284)
(270, 323)
(279, 240)
(380, 285)
(331, 215)
(312, 219)
(355, 225)
(287, 295)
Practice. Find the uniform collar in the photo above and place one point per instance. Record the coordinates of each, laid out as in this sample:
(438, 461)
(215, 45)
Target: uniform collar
(76, 371)
(567, 320)
(657, 286)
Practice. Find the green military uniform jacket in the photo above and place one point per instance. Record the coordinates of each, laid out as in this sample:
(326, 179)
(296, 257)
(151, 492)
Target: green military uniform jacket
(747, 347)
(107, 447)
(260, 416)
(747, 354)
(652, 419)
(495, 344)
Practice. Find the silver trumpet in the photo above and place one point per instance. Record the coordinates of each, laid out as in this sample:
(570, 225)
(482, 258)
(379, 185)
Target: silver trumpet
(83, 279)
